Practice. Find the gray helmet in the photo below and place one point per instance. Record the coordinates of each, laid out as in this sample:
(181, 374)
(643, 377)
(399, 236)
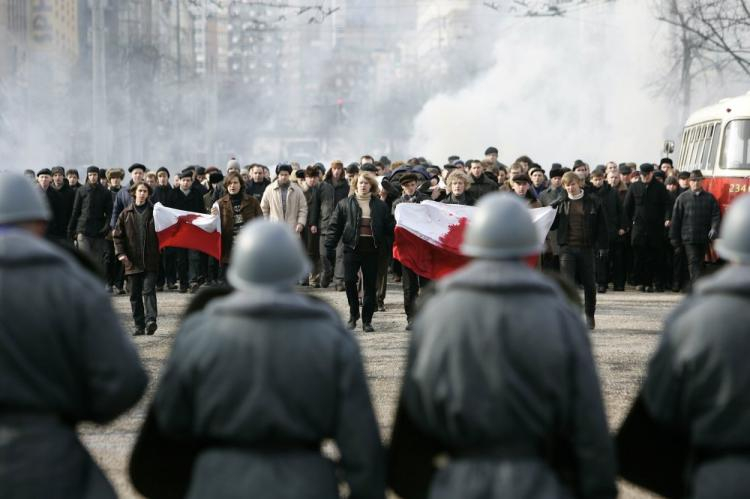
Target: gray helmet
(21, 200)
(501, 229)
(734, 244)
(266, 254)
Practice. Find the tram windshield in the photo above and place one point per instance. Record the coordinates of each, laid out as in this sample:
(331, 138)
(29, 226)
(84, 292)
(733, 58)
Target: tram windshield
(735, 154)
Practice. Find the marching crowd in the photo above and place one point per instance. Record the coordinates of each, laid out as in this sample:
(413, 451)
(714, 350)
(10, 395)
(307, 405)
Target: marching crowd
(500, 396)
(648, 226)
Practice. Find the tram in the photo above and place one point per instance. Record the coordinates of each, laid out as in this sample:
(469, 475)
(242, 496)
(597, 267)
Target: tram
(716, 140)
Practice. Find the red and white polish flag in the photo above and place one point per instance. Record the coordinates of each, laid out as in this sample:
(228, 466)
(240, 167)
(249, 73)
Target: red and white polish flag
(429, 235)
(187, 229)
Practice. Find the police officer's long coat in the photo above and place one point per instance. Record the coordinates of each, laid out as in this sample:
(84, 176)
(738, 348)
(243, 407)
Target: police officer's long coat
(496, 389)
(698, 382)
(64, 358)
(263, 379)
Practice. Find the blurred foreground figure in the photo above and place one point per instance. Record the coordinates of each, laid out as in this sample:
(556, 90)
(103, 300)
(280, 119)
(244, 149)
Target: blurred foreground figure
(254, 384)
(688, 434)
(492, 404)
(56, 369)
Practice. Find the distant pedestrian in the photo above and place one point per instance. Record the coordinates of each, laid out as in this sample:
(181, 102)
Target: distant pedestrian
(695, 223)
(89, 222)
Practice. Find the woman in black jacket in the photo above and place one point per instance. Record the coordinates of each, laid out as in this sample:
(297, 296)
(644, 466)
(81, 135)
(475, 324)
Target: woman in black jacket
(362, 222)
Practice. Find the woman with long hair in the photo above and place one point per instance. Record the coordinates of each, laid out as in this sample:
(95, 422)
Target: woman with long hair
(235, 209)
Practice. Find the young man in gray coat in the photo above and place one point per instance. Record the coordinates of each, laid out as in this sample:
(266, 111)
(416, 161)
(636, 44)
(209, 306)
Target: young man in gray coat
(515, 408)
(56, 369)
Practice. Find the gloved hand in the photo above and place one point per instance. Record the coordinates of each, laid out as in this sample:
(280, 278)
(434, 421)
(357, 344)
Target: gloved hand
(713, 234)
(602, 253)
(331, 256)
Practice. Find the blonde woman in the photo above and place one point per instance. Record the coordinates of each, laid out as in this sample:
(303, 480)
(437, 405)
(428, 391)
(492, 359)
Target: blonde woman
(362, 222)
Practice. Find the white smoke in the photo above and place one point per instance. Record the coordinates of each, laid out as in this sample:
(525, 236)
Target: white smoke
(560, 89)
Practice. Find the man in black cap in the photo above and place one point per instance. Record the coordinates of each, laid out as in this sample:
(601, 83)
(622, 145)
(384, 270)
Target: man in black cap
(411, 281)
(123, 199)
(481, 184)
(61, 205)
(683, 181)
(89, 222)
(187, 199)
(551, 196)
(647, 210)
(695, 222)
(491, 154)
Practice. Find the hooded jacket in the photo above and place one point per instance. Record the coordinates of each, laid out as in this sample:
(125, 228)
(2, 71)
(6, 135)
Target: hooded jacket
(57, 370)
(482, 378)
(270, 375)
(698, 382)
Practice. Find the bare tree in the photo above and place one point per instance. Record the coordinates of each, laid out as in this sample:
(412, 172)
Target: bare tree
(711, 37)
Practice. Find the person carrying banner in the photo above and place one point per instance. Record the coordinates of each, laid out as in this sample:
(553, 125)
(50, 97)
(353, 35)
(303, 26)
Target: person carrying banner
(137, 247)
(411, 281)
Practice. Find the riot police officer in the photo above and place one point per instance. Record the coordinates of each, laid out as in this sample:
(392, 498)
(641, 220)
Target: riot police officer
(56, 369)
(501, 396)
(259, 379)
(694, 397)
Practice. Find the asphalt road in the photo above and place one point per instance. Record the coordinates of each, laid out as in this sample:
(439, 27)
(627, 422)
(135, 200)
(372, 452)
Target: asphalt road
(628, 327)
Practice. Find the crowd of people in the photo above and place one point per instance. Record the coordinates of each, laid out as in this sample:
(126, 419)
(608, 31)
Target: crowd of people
(262, 379)
(648, 226)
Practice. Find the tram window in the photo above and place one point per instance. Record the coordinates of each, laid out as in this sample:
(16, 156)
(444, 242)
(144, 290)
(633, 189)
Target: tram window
(689, 144)
(699, 146)
(693, 147)
(735, 154)
(714, 146)
(683, 149)
(707, 134)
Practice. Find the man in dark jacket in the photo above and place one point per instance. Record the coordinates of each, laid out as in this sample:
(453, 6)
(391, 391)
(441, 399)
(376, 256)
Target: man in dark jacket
(327, 198)
(410, 280)
(187, 261)
(551, 196)
(481, 183)
(57, 369)
(167, 276)
(257, 184)
(89, 222)
(647, 210)
(611, 262)
(473, 389)
(581, 230)
(337, 179)
(696, 386)
(260, 379)
(311, 233)
(61, 205)
(695, 222)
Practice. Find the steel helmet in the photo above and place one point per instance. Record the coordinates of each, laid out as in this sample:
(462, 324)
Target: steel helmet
(21, 201)
(266, 254)
(734, 244)
(501, 229)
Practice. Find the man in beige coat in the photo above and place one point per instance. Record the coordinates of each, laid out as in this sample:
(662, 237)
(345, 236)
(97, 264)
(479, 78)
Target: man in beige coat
(284, 201)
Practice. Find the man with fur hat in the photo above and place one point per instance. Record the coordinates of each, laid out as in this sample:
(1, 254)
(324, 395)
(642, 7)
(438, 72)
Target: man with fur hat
(89, 222)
